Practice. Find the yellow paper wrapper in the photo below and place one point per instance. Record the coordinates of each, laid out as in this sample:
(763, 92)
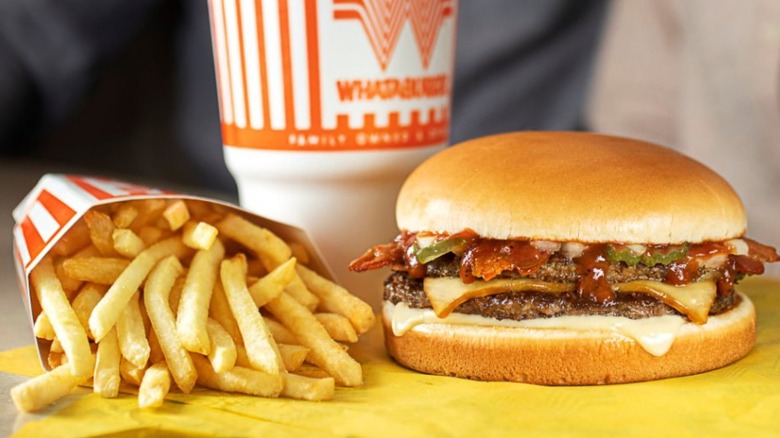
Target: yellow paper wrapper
(742, 399)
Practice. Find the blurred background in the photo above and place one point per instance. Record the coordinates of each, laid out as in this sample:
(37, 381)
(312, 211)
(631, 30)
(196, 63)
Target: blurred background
(126, 88)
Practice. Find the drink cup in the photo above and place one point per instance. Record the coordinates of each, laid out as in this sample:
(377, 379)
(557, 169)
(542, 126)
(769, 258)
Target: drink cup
(326, 106)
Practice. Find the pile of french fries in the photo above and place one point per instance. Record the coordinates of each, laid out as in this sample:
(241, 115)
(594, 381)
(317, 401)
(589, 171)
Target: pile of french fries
(162, 292)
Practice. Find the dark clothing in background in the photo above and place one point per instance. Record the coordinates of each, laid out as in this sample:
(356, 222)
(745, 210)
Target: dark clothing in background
(138, 99)
(127, 87)
(523, 65)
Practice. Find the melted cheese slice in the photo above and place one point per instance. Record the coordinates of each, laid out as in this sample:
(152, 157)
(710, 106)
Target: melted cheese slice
(655, 334)
(693, 300)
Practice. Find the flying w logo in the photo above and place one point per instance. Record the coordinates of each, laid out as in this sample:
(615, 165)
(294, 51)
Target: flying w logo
(382, 20)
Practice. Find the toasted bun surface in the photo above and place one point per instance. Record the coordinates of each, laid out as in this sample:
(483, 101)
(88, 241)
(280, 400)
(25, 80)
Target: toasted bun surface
(568, 186)
(570, 357)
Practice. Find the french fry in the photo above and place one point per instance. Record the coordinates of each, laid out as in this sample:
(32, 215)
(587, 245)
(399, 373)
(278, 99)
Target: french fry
(149, 211)
(262, 350)
(157, 288)
(87, 251)
(239, 379)
(213, 218)
(155, 352)
(273, 284)
(308, 388)
(272, 250)
(219, 310)
(73, 241)
(101, 227)
(336, 299)
(144, 315)
(69, 285)
(101, 270)
(299, 252)
(85, 301)
(339, 328)
(62, 317)
(131, 373)
(54, 359)
(199, 209)
(124, 215)
(175, 296)
(256, 268)
(199, 235)
(176, 215)
(107, 311)
(127, 243)
(222, 353)
(312, 371)
(42, 327)
(298, 290)
(293, 356)
(39, 392)
(242, 360)
(325, 352)
(131, 334)
(154, 386)
(106, 375)
(151, 235)
(195, 297)
(56, 346)
(281, 333)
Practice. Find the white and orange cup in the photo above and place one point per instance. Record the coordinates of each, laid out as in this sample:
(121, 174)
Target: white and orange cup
(326, 106)
(58, 202)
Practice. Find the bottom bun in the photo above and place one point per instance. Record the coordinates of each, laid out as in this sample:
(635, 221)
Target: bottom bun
(567, 356)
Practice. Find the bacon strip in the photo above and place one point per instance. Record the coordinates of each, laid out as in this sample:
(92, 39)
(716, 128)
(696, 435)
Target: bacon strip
(378, 257)
(760, 252)
(487, 259)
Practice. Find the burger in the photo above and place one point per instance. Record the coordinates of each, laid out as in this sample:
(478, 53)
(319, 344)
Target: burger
(564, 258)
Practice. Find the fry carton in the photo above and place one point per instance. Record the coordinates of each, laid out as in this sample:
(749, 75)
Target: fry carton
(51, 220)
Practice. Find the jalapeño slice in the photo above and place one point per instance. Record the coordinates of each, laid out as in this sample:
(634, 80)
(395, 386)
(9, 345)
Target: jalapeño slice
(651, 257)
(438, 249)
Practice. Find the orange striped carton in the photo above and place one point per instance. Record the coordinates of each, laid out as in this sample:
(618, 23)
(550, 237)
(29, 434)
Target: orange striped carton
(334, 75)
(58, 202)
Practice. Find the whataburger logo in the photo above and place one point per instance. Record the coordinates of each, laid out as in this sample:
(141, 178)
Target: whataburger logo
(382, 20)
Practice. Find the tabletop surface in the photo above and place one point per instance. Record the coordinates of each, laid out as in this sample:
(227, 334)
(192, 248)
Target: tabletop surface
(740, 399)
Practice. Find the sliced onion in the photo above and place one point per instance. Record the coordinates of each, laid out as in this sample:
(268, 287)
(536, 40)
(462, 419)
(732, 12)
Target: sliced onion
(546, 245)
(738, 246)
(424, 241)
(714, 262)
(637, 248)
(573, 249)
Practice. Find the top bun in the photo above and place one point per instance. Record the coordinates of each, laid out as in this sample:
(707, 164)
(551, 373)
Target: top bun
(569, 186)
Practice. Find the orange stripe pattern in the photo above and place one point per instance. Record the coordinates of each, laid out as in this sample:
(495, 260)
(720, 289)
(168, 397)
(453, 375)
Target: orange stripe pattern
(334, 75)
(56, 205)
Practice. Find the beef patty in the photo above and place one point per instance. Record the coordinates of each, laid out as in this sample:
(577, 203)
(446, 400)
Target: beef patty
(399, 287)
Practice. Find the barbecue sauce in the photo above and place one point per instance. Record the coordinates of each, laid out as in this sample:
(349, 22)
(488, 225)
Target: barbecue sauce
(415, 268)
(487, 259)
(592, 269)
(685, 270)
